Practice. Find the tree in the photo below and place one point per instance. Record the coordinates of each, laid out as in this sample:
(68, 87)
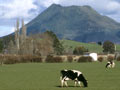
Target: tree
(108, 47)
(1, 45)
(17, 35)
(43, 44)
(58, 48)
(20, 38)
(11, 48)
(23, 33)
(100, 43)
(80, 50)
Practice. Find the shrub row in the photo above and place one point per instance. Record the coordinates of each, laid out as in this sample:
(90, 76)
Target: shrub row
(118, 58)
(69, 59)
(12, 59)
(52, 59)
(57, 59)
(110, 58)
(100, 59)
(85, 59)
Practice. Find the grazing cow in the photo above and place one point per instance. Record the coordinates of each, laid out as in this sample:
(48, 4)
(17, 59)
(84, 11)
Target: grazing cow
(110, 64)
(75, 75)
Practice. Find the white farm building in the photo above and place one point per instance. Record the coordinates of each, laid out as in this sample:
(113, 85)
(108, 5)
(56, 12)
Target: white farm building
(93, 55)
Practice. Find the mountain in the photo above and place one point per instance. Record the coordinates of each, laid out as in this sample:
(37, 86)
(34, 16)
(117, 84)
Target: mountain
(79, 23)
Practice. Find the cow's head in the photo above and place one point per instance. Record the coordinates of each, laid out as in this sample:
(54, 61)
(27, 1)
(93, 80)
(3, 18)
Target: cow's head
(82, 79)
(85, 83)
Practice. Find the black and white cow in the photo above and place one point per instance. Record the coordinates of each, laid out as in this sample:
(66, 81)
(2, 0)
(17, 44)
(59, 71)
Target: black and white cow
(110, 64)
(75, 75)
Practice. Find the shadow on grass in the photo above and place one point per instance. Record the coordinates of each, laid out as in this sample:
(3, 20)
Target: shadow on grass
(70, 87)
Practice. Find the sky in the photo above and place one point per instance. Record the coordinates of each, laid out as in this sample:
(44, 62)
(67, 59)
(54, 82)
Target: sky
(11, 10)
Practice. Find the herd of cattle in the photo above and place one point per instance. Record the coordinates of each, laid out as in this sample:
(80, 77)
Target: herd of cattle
(78, 76)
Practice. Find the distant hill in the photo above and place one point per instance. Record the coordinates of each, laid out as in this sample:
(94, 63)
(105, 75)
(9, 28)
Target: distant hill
(92, 47)
(79, 23)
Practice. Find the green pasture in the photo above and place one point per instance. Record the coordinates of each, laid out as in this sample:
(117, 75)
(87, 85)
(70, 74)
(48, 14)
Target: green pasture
(46, 76)
(92, 47)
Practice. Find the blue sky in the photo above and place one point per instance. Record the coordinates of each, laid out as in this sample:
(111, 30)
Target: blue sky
(10, 10)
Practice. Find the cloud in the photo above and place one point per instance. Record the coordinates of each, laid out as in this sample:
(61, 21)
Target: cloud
(17, 8)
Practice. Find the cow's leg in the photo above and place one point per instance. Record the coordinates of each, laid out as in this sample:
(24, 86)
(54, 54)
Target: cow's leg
(111, 66)
(75, 83)
(79, 83)
(62, 83)
(66, 84)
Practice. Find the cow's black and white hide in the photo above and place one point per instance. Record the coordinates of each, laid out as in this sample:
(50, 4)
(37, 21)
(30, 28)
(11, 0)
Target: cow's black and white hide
(74, 75)
(110, 64)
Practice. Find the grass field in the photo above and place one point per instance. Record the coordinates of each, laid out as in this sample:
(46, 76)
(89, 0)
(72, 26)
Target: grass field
(45, 76)
(92, 47)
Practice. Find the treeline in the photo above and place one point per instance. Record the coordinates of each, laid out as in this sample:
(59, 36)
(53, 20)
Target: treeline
(48, 41)
(40, 44)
